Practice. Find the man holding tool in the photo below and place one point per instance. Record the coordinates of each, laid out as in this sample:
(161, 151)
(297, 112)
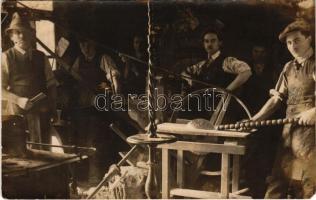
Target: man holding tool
(27, 75)
(293, 174)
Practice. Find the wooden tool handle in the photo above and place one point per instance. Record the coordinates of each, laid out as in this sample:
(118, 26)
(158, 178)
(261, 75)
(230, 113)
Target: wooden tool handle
(254, 124)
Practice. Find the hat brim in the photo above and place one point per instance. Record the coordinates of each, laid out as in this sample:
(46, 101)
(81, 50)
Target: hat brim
(8, 30)
(284, 34)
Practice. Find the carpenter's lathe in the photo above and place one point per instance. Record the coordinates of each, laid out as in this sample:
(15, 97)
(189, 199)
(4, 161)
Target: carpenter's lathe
(203, 136)
(228, 143)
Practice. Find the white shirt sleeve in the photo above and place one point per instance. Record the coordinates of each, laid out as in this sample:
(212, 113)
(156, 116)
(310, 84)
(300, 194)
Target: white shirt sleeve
(109, 67)
(234, 66)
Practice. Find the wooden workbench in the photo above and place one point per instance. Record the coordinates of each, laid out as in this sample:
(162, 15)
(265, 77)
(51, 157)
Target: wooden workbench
(232, 146)
(39, 174)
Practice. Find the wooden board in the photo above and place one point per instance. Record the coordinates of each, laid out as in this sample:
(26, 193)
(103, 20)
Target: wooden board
(202, 194)
(204, 147)
(184, 129)
(36, 160)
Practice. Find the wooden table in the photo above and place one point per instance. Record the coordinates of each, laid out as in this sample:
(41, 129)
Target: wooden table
(231, 147)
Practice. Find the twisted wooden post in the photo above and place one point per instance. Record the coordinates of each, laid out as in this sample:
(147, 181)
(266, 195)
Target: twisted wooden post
(254, 124)
(151, 138)
(151, 86)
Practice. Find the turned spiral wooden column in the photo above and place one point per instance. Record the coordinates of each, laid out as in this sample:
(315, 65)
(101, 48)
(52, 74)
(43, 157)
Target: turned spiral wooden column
(151, 138)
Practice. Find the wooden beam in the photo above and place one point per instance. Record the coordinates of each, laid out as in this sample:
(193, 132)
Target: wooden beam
(241, 191)
(225, 178)
(235, 176)
(165, 181)
(184, 129)
(180, 169)
(200, 194)
(223, 110)
(204, 147)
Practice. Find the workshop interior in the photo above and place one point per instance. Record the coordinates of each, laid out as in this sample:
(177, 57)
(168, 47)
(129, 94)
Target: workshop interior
(158, 99)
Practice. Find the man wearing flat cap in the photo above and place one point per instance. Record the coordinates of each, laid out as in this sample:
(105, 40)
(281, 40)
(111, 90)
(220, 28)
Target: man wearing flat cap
(26, 72)
(294, 172)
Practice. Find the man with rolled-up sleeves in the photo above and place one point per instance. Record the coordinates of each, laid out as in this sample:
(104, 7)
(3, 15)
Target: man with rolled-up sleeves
(99, 73)
(218, 69)
(293, 174)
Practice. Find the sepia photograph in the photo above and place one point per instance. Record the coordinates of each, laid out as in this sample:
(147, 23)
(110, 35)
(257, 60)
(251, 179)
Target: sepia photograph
(157, 99)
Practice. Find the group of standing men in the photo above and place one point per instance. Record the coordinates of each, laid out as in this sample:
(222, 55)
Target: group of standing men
(26, 72)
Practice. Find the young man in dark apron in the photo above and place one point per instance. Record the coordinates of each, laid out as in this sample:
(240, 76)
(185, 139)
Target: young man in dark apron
(294, 170)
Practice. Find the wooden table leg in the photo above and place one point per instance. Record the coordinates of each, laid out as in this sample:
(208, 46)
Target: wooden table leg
(225, 176)
(165, 181)
(236, 168)
(180, 170)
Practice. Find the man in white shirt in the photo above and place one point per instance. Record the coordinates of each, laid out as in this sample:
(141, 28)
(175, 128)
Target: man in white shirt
(26, 72)
(218, 69)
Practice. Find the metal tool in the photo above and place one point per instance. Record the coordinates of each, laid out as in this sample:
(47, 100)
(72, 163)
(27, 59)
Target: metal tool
(114, 169)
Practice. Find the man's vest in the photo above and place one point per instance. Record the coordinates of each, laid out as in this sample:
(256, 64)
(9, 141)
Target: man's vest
(215, 74)
(26, 75)
(91, 72)
(92, 75)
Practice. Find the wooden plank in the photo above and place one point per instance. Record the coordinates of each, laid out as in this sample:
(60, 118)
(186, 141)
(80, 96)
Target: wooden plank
(204, 147)
(165, 182)
(200, 194)
(184, 129)
(241, 191)
(210, 173)
(223, 110)
(217, 110)
(189, 193)
(27, 169)
(236, 168)
(225, 176)
(180, 169)
(220, 110)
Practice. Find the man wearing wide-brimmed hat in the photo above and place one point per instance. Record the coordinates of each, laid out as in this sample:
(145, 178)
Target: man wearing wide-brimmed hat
(294, 172)
(26, 72)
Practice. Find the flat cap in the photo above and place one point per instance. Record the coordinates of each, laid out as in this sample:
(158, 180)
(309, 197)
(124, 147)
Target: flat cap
(297, 25)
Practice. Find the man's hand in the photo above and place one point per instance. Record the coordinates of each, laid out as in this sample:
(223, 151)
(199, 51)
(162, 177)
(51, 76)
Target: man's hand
(24, 103)
(307, 117)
